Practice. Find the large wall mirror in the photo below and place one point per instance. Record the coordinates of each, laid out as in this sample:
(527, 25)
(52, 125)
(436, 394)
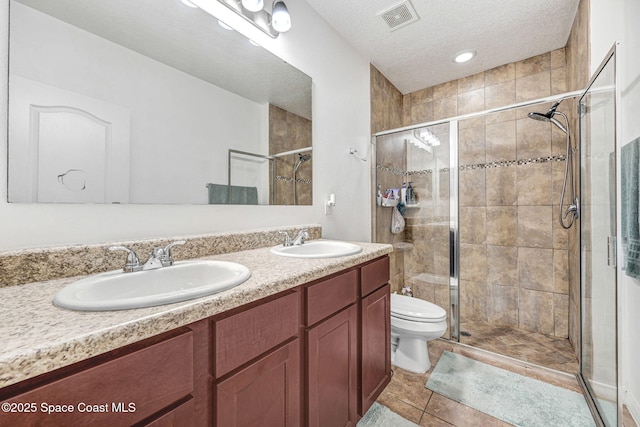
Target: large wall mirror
(150, 101)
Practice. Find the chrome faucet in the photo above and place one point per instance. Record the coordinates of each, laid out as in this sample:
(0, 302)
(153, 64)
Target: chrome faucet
(302, 234)
(133, 262)
(298, 240)
(160, 257)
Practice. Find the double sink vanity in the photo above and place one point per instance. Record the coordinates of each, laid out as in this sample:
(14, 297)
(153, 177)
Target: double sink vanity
(273, 336)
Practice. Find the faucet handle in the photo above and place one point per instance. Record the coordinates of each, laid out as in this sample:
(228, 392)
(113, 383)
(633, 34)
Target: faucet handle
(302, 234)
(287, 239)
(133, 262)
(168, 257)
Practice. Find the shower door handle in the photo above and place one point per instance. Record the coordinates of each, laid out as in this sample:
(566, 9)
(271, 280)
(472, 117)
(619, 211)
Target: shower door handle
(452, 253)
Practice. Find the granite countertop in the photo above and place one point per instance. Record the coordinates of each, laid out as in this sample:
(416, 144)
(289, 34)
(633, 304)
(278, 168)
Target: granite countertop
(38, 337)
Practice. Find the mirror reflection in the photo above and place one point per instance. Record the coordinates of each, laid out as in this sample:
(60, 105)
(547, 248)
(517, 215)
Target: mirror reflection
(150, 102)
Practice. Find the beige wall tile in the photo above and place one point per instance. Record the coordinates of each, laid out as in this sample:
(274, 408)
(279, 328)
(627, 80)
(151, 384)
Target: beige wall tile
(533, 139)
(502, 265)
(472, 82)
(421, 96)
(534, 268)
(471, 145)
(533, 86)
(558, 142)
(445, 107)
(502, 225)
(561, 315)
(533, 65)
(473, 263)
(536, 311)
(558, 81)
(534, 184)
(500, 94)
(560, 234)
(445, 90)
(471, 102)
(502, 308)
(422, 113)
(473, 225)
(534, 227)
(561, 271)
(472, 187)
(473, 300)
(501, 141)
(558, 58)
(500, 74)
(501, 186)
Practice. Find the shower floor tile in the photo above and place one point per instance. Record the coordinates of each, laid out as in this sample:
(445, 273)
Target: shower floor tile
(407, 395)
(539, 349)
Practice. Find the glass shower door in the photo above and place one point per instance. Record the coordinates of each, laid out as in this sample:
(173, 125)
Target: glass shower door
(598, 361)
(424, 250)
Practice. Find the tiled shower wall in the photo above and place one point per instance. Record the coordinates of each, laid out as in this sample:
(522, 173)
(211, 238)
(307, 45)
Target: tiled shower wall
(514, 261)
(288, 131)
(578, 63)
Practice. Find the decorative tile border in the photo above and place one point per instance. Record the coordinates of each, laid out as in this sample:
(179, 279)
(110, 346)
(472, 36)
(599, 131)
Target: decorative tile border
(394, 170)
(299, 180)
(37, 265)
(506, 163)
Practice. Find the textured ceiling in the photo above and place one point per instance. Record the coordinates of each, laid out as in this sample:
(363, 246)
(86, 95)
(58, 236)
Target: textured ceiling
(420, 54)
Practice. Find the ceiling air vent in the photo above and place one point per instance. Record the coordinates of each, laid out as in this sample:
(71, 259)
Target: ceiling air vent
(399, 15)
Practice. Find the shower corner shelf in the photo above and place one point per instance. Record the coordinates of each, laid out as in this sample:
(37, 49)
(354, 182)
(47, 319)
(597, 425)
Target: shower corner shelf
(412, 205)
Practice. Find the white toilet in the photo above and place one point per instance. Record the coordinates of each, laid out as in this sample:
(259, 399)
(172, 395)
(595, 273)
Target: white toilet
(414, 322)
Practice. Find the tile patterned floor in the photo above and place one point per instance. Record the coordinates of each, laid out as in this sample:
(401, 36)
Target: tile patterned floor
(407, 396)
(543, 350)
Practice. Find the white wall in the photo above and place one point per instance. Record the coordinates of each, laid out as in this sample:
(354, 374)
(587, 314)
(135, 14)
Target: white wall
(340, 120)
(181, 126)
(616, 20)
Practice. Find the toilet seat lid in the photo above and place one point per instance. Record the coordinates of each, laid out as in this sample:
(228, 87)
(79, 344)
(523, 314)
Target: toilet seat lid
(416, 309)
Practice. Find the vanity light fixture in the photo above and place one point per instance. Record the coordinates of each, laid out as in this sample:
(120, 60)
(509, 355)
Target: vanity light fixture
(272, 24)
(464, 56)
(281, 20)
(253, 5)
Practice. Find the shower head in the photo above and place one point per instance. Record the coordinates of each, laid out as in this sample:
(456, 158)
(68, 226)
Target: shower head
(301, 159)
(548, 117)
(304, 157)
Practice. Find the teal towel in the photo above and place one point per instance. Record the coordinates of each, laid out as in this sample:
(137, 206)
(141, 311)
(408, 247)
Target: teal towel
(219, 195)
(630, 191)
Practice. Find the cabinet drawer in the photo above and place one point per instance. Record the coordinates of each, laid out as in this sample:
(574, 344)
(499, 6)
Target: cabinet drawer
(150, 379)
(330, 296)
(246, 335)
(374, 275)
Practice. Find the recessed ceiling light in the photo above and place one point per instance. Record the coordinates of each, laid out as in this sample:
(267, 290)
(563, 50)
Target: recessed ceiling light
(188, 3)
(464, 56)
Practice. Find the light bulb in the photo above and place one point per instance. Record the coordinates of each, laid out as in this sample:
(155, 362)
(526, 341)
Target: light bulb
(280, 20)
(464, 56)
(253, 5)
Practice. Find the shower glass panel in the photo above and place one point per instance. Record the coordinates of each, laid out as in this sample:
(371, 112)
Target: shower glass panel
(420, 160)
(598, 364)
(513, 301)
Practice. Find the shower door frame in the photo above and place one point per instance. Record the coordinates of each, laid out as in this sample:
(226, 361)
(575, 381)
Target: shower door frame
(454, 230)
(587, 390)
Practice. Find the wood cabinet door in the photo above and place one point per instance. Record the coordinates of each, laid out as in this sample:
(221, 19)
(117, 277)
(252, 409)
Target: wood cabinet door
(375, 336)
(332, 375)
(264, 394)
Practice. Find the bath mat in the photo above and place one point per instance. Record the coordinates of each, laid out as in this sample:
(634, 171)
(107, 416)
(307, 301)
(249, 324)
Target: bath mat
(381, 416)
(511, 397)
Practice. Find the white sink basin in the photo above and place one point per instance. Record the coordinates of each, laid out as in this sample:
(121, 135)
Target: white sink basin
(317, 249)
(116, 290)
